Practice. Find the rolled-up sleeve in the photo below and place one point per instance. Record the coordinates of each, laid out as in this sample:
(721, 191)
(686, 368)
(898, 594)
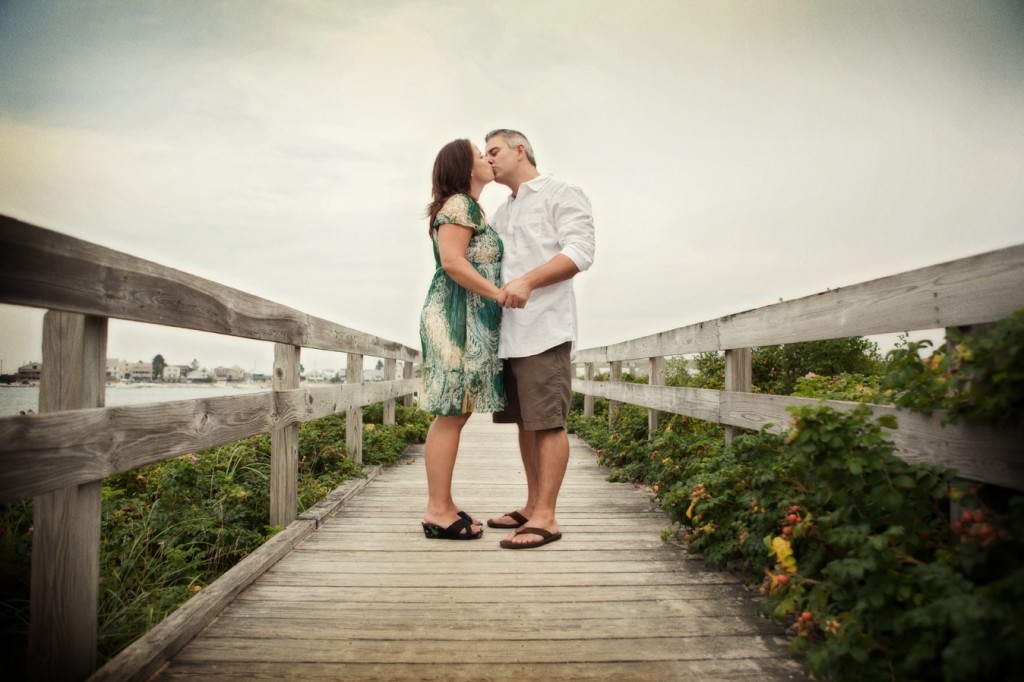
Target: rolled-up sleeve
(575, 224)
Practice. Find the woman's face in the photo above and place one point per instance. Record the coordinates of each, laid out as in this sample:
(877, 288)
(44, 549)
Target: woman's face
(482, 171)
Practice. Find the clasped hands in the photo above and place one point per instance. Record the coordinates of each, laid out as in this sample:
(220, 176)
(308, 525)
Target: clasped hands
(514, 294)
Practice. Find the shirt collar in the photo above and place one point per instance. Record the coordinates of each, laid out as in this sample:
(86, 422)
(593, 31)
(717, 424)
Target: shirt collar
(534, 185)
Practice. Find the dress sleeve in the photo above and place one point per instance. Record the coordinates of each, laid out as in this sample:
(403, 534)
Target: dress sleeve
(459, 209)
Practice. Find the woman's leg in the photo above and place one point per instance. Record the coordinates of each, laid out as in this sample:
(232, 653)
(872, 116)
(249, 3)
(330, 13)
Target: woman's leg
(439, 455)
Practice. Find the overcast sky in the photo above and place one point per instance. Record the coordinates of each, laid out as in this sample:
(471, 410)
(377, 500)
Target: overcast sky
(735, 153)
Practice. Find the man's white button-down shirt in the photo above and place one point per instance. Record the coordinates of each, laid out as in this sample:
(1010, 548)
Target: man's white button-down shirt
(547, 217)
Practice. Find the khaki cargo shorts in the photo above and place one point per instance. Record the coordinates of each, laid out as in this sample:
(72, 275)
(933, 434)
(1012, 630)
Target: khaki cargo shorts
(538, 389)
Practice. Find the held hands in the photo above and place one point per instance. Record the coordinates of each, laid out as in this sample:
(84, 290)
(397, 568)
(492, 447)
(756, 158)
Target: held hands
(517, 293)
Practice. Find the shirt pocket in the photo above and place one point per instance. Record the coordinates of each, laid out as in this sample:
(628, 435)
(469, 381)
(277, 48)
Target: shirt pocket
(532, 233)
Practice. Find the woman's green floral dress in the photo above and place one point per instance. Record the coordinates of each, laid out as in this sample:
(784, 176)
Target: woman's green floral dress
(459, 329)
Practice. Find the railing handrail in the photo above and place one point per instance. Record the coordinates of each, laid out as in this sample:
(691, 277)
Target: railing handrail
(62, 455)
(969, 291)
(966, 291)
(50, 270)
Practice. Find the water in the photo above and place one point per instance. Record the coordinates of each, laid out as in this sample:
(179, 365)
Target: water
(15, 399)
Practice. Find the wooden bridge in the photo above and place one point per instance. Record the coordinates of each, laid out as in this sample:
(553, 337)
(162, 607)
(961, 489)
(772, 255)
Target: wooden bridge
(350, 589)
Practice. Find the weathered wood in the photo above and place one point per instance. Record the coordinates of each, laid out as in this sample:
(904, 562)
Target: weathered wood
(614, 378)
(46, 269)
(409, 374)
(354, 415)
(968, 291)
(66, 522)
(388, 414)
(655, 378)
(284, 448)
(588, 400)
(739, 377)
(368, 597)
(45, 452)
(918, 439)
(702, 403)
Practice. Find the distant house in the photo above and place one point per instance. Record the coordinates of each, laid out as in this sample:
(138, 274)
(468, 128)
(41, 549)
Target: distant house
(140, 371)
(30, 372)
(174, 373)
(115, 371)
(200, 375)
(235, 373)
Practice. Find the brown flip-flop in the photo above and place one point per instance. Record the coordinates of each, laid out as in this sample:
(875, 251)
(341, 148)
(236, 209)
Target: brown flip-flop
(545, 538)
(520, 521)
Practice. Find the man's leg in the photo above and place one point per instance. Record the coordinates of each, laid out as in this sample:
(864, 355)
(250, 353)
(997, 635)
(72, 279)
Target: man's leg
(552, 457)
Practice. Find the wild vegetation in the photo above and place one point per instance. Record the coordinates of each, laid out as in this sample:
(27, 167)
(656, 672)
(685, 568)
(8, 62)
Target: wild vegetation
(882, 570)
(170, 529)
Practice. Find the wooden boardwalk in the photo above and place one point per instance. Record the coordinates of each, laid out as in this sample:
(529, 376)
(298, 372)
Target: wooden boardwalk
(367, 597)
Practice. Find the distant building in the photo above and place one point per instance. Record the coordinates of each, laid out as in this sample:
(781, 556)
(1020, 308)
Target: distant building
(140, 371)
(235, 373)
(114, 369)
(173, 373)
(373, 375)
(30, 372)
(200, 375)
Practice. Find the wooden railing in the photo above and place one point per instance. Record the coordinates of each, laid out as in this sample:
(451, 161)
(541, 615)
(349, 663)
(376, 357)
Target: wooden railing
(961, 293)
(62, 455)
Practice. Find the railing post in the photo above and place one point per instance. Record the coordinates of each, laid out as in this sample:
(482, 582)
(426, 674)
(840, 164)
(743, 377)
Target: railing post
(390, 365)
(738, 377)
(66, 523)
(284, 442)
(656, 378)
(614, 376)
(408, 372)
(588, 400)
(354, 415)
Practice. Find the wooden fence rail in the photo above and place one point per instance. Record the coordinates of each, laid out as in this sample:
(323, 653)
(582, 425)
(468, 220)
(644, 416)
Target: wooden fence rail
(62, 455)
(965, 292)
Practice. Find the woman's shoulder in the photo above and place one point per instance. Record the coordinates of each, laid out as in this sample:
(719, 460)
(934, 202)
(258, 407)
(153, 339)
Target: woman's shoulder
(460, 209)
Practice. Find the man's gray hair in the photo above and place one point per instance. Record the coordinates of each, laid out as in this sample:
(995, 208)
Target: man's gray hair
(514, 138)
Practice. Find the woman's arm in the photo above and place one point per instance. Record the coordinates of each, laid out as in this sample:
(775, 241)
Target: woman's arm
(452, 242)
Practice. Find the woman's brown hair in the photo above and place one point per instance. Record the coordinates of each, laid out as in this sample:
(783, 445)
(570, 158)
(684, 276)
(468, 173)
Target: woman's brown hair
(453, 170)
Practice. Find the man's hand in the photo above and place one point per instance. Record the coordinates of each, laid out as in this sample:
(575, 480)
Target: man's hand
(517, 293)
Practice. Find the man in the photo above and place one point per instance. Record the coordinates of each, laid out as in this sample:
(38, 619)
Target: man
(548, 232)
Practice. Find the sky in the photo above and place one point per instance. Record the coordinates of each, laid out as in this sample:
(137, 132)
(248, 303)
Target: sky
(735, 152)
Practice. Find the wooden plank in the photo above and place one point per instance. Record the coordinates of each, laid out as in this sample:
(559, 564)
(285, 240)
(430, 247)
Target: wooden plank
(655, 378)
(368, 597)
(409, 375)
(979, 453)
(732, 670)
(46, 269)
(701, 403)
(694, 338)
(47, 451)
(981, 288)
(388, 412)
(614, 379)
(284, 448)
(354, 415)
(739, 377)
(588, 400)
(66, 538)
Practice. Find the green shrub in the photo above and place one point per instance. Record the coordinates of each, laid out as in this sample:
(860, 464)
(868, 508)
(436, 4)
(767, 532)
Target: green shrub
(169, 529)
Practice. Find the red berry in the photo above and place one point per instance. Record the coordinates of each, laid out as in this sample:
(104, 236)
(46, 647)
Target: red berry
(794, 508)
(957, 526)
(807, 615)
(787, 530)
(968, 517)
(792, 518)
(782, 579)
(799, 519)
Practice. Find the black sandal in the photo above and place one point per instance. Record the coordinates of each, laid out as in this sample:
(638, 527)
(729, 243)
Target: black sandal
(454, 531)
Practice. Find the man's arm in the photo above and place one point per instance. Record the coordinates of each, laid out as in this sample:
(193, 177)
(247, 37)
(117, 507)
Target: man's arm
(575, 225)
(558, 269)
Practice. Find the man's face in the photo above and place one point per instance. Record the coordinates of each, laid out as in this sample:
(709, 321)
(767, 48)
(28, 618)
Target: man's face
(502, 158)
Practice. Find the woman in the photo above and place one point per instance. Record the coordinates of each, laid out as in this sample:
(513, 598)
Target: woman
(458, 328)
